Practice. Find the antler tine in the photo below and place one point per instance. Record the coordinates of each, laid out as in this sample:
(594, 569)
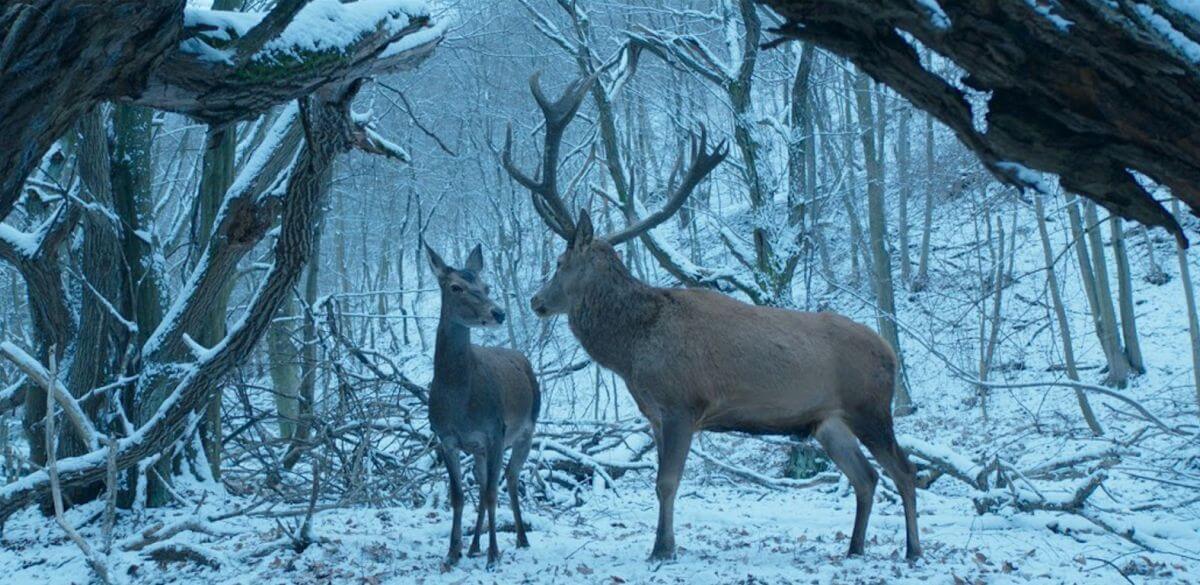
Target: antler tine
(547, 200)
(513, 171)
(703, 163)
(560, 112)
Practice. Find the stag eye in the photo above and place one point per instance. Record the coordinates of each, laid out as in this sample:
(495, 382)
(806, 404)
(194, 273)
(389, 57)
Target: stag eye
(455, 288)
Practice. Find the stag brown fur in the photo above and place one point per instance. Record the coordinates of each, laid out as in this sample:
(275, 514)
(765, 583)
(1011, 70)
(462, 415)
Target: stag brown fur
(482, 400)
(698, 360)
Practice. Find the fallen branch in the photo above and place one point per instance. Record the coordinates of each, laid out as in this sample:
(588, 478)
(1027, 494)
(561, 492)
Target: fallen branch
(80, 423)
(93, 559)
(157, 533)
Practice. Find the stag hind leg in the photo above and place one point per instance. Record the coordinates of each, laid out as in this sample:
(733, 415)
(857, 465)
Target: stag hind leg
(842, 447)
(516, 460)
(895, 463)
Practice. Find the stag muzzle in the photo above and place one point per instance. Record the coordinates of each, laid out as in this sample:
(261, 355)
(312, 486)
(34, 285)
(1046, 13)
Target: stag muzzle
(538, 305)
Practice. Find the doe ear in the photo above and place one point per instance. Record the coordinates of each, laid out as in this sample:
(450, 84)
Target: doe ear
(475, 260)
(583, 230)
(436, 263)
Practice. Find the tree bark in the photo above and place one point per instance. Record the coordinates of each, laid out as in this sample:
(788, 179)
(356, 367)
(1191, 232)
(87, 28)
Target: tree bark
(329, 134)
(877, 219)
(1060, 98)
(1060, 313)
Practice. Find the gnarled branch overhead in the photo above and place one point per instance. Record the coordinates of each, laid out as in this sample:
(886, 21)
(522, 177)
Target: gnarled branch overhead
(58, 58)
(217, 75)
(1089, 90)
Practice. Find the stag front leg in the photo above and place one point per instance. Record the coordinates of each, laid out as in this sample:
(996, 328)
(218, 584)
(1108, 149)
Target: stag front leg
(450, 458)
(674, 441)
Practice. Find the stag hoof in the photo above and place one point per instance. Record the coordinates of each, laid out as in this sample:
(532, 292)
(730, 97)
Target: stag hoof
(662, 553)
(450, 561)
(493, 557)
(913, 553)
(474, 550)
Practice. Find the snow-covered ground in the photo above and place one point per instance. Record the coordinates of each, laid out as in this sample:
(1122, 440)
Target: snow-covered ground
(726, 534)
(730, 530)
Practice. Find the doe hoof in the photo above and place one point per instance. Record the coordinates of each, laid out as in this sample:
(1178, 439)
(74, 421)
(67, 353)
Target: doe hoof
(662, 555)
(472, 553)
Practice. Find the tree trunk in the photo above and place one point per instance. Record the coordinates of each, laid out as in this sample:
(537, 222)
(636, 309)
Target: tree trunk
(1189, 295)
(1133, 347)
(302, 207)
(922, 279)
(882, 265)
(904, 170)
(1117, 367)
(1060, 313)
(220, 148)
(1118, 363)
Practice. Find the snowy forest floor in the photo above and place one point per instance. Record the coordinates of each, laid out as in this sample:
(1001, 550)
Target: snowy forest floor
(731, 530)
(727, 534)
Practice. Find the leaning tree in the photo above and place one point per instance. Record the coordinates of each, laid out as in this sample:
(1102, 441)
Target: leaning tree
(1093, 91)
(59, 61)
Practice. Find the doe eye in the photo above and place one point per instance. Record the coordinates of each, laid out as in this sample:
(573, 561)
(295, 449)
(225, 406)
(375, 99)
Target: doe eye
(456, 288)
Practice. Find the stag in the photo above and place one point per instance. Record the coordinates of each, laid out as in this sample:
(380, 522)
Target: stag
(483, 400)
(696, 360)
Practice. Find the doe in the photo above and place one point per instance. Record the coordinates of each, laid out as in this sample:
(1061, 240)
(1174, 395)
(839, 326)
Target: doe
(483, 400)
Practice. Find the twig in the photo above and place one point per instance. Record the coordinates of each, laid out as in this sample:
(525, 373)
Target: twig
(94, 560)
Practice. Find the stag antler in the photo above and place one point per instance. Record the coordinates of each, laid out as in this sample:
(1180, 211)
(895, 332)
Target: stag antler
(549, 202)
(703, 163)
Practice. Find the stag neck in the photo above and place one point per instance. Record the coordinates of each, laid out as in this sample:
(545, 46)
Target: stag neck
(615, 311)
(452, 353)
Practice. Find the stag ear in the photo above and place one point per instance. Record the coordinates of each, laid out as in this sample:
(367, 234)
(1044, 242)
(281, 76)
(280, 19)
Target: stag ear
(475, 260)
(436, 263)
(583, 231)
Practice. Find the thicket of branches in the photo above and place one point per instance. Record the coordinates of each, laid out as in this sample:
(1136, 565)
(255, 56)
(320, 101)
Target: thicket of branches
(213, 266)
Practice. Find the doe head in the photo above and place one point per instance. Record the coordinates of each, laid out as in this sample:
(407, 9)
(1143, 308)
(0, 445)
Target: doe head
(465, 297)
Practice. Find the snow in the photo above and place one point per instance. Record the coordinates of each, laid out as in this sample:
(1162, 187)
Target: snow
(321, 26)
(936, 15)
(24, 243)
(1188, 7)
(1045, 10)
(1189, 48)
(416, 39)
(1026, 175)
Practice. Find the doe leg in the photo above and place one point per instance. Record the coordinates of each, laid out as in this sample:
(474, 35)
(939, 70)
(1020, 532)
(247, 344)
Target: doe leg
(481, 482)
(450, 457)
(842, 447)
(675, 441)
(516, 460)
(495, 458)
